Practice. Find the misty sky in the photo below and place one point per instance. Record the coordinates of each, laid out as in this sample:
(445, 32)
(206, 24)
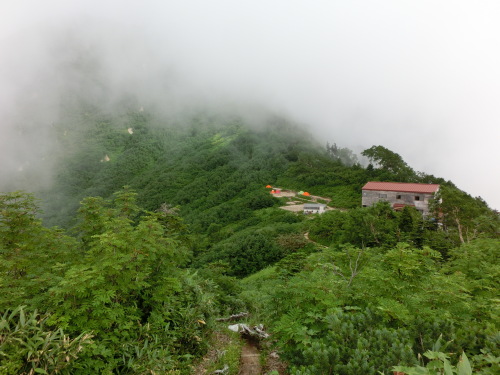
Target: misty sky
(421, 77)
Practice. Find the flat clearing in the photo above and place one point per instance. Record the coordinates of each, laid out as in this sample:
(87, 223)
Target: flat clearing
(298, 206)
(293, 207)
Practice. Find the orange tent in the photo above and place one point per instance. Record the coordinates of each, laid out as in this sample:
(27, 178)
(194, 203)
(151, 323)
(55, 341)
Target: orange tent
(272, 192)
(306, 194)
(268, 186)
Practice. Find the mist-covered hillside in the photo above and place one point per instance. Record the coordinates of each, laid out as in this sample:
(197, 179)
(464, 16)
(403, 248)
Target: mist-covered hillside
(197, 161)
(201, 163)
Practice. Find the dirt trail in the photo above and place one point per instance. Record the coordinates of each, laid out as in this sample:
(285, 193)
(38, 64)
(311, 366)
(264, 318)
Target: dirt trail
(306, 236)
(250, 360)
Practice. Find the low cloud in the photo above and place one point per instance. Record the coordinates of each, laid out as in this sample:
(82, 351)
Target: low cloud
(420, 78)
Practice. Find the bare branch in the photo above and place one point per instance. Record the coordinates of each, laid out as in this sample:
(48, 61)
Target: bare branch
(233, 317)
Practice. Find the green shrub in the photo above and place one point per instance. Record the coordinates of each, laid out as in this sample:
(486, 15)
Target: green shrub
(28, 344)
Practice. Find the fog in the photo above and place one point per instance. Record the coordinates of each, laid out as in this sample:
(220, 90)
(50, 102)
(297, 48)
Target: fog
(418, 77)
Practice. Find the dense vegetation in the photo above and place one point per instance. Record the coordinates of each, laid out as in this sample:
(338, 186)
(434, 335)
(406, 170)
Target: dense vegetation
(167, 225)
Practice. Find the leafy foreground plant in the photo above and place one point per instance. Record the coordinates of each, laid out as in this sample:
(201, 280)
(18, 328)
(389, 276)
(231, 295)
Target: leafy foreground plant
(127, 287)
(29, 345)
(124, 281)
(439, 365)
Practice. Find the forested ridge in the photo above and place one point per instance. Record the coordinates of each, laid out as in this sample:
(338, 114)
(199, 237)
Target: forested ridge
(154, 227)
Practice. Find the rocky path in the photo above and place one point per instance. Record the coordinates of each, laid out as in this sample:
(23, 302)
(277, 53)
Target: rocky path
(250, 360)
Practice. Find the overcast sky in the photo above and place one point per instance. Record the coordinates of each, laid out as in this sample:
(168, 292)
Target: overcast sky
(421, 77)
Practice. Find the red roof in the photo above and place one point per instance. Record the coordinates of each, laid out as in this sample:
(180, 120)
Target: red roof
(402, 187)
